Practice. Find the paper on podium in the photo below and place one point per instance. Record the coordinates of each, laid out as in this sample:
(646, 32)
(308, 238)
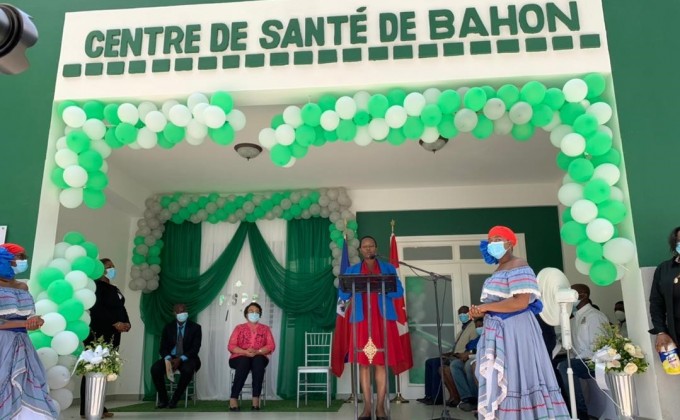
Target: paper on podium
(168, 371)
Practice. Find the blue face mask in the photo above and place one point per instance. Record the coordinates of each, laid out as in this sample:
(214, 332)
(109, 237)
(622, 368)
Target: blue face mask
(21, 266)
(479, 330)
(253, 317)
(496, 249)
(677, 248)
(111, 273)
(182, 317)
(464, 318)
(574, 307)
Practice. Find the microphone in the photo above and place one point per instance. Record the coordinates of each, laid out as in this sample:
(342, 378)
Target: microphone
(373, 256)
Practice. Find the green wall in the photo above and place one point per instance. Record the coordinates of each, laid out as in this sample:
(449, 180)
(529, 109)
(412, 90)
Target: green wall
(539, 224)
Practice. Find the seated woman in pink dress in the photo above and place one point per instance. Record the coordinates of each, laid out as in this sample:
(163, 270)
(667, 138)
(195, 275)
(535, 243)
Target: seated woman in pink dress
(250, 345)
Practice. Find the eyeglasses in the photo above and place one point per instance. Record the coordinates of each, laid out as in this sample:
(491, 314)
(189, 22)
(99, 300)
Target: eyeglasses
(368, 247)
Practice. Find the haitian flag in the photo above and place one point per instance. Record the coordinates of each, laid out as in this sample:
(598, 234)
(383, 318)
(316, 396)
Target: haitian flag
(402, 318)
(340, 350)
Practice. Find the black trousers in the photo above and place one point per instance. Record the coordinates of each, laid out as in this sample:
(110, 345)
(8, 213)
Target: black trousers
(243, 365)
(186, 373)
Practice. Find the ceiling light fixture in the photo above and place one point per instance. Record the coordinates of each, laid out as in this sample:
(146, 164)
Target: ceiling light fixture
(435, 146)
(248, 150)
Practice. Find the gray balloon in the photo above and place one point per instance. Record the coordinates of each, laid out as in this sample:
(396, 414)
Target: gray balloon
(194, 219)
(155, 268)
(248, 207)
(152, 285)
(157, 233)
(295, 196)
(269, 216)
(148, 213)
(202, 214)
(340, 225)
(285, 204)
(144, 231)
(324, 200)
(315, 209)
(144, 266)
(165, 214)
(336, 271)
(240, 214)
(332, 194)
(142, 249)
(211, 208)
(257, 200)
(149, 240)
(232, 218)
(141, 223)
(354, 243)
(346, 214)
(336, 282)
(156, 207)
(147, 275)
(174, 207)
(350, 234)
(324, 212)
(336, 252)
(134, 271)
(184, 200)
(306, 214)
(344, 201)
(149, 202)
(221, 201)
(334, 216)
(277, 211)
(153, 223)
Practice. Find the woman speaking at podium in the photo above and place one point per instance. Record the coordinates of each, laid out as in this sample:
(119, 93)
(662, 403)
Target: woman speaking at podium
(368, 342)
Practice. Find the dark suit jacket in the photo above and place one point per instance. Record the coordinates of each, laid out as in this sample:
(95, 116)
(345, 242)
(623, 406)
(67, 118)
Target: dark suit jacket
(107, 310)
(191, 343)
(661, 305)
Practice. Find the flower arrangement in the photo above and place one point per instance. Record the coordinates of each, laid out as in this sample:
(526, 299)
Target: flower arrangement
(100, 357)
(617, 352)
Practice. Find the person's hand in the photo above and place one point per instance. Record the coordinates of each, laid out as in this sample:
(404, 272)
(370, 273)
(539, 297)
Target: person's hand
(463, 357)
(119, 326)
(126, 327)
(477, 311)
(175, 363)
(663, 340)
(20, 285)
(34, 322)
(251, 352)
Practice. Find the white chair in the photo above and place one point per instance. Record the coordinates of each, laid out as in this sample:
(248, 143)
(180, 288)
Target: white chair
(317, 361)
(172, 386)
(248, 387)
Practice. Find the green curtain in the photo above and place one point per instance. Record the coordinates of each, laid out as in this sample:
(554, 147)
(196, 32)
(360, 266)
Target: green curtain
(304, 291)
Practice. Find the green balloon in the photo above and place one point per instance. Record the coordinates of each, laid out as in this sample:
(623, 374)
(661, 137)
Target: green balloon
(396, 137)
(603, 272)
(175, 134)
(566, 215)
(98, 269)
(77, 141)
(84, 264)
(138, 240)
(277, 120)
(346, 130)
(94, 199)
(91, 160)
(298, 151)
(305, 136)
(361, 118)
(295, 210)
(396, 96)
(311, 114)
(193, 208)
(223, 100)
(111, 139)
(327, 102)
(91, 249)
(596, 84)
(111, 114)
(570, 111)
(352, 225)
(612, 156)
(475, 99)
(71, 309)
(163, 141)
(449, 101)
(446, 127)
(280, 155)
(554, 98)
(155, 250)
(139, 259)
(533, 93)
(612, 210)
(563, 161)
(77, 352)
(581, 170)
(490, 92)
(165, 201)
(154, 260)
(573, 233)
(57, 177)
(48, 275)
(80, 328)
(523, 132)
(126, 133)
(330, 136)
(413, 128)
(378, 105)
(63, 105)
(589, 251)
(586, 125)
(40, 339)
(484, 128)
(74, 238)
(224, 135)
(542, 115)
(94, 109)
(596, 190)
(598, 144)
(509, 94)
(60, 291)
(431, 115)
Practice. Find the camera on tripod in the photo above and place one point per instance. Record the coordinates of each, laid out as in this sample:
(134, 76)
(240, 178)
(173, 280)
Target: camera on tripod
(17, 34)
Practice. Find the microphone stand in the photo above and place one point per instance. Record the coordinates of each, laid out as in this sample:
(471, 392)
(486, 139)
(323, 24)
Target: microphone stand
(434, 277)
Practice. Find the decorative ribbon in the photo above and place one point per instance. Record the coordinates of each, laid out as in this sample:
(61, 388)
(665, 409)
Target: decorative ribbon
(602, 359)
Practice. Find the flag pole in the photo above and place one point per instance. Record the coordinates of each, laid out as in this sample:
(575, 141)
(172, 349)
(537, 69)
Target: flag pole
(398, 399)
(353, 396)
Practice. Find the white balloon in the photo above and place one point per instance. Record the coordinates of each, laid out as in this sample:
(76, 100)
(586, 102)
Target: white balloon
(86, 296)
(54, 324)
(465, 120)
(600, 110)
(237, 119)
(285, 134)
(330, 120)
(74, 116)
(582, 267)
(585, 103)
(616, 194)
(396, 116)
(462, 91)
(77, 279)
(61, 143)
(378, 129)
(65, 158)
(606, 130)
(71, 197)
(101, 147)
(68, 361)
(155, 121)
(568, 194)
(575, 90)
(95, 129)
(619, 250)
(57, 407)
(152, 285)
(146, 138)
(214, 116)
(558, 134)
(345, 107)
(600, 230)
(494, 109)
(42, 296)
(290, 163)
(566, 179)
(609, 172)
(63, 396)
(45, 306)
(58, 376)
(363, 137)
(361, 98)
(105, 167)
(414, 104)
(167, 106)
(430, 135)
(198, 110)
(554, 122)
(48, 357)
(521, 113)
(432, 95)
(573, 144)
(179, 115)
(503, 125)
(292, 116)
(128, 113)
(267, 137)
(85, 317)
(60, 249)
(75, 176)
(62, 264)
(195, 99)
(75, 251)
(91, 286)
(144, 108)
(584, 211)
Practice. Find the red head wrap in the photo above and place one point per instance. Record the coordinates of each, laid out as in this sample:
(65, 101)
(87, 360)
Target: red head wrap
(14, 248)
(505, 233)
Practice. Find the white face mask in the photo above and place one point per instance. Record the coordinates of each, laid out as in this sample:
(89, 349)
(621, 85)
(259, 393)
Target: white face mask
(620, 316)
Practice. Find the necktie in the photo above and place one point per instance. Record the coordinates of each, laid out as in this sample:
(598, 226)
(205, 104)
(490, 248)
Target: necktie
(179, 349)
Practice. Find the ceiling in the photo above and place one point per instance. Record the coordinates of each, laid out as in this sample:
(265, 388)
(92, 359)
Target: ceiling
(464, 161)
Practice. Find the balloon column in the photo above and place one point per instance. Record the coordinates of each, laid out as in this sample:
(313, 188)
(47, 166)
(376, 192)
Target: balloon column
(63, 293)
(93, 129)
(333, 203)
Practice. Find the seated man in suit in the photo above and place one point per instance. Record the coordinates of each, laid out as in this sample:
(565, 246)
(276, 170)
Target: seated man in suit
(180, 343)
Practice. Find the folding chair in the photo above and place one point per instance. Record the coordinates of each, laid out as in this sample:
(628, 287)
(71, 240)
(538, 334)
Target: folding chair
(248, 387)
(317, 362)
(189, 392)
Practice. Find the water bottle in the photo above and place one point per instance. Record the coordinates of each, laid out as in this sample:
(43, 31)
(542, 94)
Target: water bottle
(669, 359)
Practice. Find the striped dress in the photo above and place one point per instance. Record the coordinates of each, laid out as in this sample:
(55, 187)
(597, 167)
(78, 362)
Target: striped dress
(516, 377)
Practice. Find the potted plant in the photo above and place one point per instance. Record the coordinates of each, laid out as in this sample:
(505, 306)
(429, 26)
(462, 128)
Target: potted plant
(99, 362)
